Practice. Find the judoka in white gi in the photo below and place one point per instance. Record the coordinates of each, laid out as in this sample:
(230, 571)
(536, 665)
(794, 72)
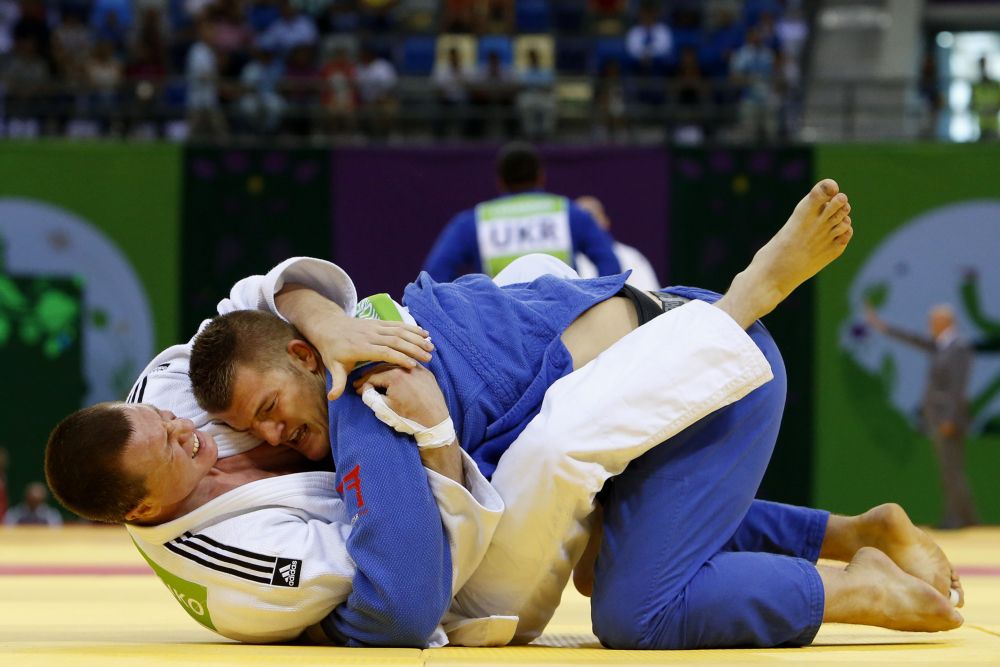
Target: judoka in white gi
(265, 602)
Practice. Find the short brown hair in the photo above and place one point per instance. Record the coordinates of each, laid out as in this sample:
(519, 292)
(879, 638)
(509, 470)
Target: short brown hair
(241, 337)
(83, 464)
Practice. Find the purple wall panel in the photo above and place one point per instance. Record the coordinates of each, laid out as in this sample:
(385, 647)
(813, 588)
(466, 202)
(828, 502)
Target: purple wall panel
(389, 204)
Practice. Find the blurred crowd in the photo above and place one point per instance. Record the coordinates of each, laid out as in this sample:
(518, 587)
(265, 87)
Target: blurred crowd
(377, 68)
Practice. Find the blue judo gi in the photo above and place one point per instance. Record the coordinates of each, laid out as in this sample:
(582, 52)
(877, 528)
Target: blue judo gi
(689, 558)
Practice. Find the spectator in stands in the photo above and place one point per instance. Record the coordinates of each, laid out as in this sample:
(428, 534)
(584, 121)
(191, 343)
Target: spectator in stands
(523, 220)
(985, 103)
(376, 82)
(692, 98)
(33, 23)
(643, 276)
(231, 34)
(451, 78)
(752, 70)
(792, 32)
(145, 73)
(261, 105)
(493, 97)
(34, 511)
(725, 35)
(536, 99)
(339, 98)
(293, 28)
(152, 31)
(9, 14)
(205, 117)
(649, 43)
(301, 88)
(111, 21)
(70, 39)
(26, 79)
(610, 105)
(104, 78)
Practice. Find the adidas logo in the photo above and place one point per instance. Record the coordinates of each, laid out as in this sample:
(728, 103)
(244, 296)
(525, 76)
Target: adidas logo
(286, 573)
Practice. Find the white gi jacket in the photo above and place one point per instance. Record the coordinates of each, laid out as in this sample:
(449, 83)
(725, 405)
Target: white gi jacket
(548, 479)
(264, 561)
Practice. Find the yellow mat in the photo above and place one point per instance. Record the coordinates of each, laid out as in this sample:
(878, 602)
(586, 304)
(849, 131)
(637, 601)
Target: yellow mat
(60, 605)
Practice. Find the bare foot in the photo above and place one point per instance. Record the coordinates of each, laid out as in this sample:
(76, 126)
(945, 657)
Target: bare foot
(890, 530)
(815, 234)
(872, 590)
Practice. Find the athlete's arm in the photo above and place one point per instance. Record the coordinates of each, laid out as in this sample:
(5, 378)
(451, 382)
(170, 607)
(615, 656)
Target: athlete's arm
(343, 341)
(414, 394)
(455, 247)
(402, 586)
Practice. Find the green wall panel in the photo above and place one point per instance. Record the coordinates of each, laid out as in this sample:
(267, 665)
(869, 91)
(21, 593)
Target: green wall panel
(89, 272)
(927, 228)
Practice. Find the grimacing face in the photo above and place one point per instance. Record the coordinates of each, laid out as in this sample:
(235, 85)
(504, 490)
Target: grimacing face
(283, 406)
(169, 453)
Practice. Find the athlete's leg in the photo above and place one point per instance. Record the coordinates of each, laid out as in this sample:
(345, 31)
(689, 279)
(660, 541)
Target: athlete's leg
(660, 575)
(665, 580)
(811, 534)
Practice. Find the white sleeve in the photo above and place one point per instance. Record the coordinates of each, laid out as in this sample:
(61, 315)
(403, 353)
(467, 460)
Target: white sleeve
(470, 515)
(326, 278)
(529, 267)
(549, 476)
(317, 575)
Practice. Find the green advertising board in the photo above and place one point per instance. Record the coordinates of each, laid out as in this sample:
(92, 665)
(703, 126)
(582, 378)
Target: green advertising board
(89, 253)
(927, 232)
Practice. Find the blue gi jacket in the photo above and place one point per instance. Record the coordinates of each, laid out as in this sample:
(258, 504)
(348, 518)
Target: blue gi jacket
(497, 352)
(457, 246)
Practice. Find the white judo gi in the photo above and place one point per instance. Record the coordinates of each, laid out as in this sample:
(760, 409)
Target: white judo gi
(266, 561)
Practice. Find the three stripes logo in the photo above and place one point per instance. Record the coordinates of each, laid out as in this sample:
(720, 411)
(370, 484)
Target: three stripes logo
(259, 568)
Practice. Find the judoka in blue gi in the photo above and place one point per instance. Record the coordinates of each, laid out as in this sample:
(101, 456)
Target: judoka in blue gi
(653, 604)
(688, 557)
(524, 220)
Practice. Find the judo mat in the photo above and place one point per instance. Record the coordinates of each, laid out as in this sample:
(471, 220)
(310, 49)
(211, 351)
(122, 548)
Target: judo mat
(83, 596)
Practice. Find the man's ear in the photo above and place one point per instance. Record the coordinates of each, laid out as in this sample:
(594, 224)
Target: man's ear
(142, 512)
(304, 353)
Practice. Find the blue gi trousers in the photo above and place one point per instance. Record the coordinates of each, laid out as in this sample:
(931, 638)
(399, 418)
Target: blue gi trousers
(689, 558)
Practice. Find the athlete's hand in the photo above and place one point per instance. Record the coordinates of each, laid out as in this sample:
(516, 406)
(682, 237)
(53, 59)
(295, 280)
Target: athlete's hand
(344, 341)
(412, 393)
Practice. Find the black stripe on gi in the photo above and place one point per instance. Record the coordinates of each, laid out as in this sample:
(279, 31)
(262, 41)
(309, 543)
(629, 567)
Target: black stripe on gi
(217, 567)
(239, 552)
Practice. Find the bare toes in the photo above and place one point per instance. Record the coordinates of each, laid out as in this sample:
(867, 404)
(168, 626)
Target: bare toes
(829, 187)
(844, 239)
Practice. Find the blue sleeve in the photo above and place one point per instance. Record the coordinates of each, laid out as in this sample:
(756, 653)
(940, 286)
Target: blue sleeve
(593, 241)
(402, 586)
(456, 248)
